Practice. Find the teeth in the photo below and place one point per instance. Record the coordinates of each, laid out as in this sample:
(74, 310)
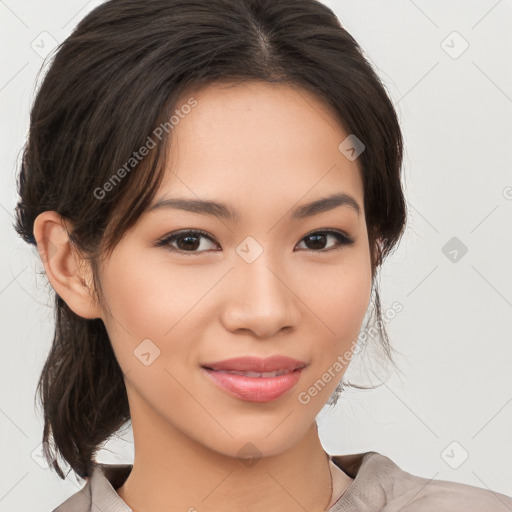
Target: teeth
(256, 374)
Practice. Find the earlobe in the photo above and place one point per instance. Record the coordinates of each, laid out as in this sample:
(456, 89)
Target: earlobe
(62, 266)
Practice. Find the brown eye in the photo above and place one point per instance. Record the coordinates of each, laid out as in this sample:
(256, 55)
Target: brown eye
(185, 241)
(316, 241)
(190, 241)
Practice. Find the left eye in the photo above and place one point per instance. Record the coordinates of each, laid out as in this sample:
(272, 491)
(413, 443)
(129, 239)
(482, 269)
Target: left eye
(319, 237)
(190, 241)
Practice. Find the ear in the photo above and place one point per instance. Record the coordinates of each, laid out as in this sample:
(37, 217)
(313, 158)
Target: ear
(69, 276)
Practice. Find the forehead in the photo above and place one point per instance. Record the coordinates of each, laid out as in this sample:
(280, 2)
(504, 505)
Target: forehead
(261, 139)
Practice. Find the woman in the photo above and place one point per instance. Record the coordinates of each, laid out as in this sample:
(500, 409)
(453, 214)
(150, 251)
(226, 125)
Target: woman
(212, 186)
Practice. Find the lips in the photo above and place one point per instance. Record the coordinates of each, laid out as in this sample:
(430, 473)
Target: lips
(255, 379)
(256, 367)
(255, 374)
(254, 389)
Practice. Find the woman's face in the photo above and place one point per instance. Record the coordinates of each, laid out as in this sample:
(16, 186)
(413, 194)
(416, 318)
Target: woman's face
(265, 283)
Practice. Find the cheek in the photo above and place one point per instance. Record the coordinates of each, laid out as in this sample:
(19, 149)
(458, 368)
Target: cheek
(339, 301)
(149, 298)
(339, 296)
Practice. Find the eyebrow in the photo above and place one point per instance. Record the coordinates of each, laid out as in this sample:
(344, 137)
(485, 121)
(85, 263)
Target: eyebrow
(223, 211)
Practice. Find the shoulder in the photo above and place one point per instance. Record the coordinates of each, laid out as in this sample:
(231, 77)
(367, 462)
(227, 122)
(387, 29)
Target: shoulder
(78, 502)
(385, 484)
(99, 492)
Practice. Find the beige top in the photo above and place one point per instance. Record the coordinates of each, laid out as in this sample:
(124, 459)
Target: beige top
(378, 485)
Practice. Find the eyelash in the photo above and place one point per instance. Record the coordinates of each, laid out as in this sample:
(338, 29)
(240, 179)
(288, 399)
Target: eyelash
(167, 240)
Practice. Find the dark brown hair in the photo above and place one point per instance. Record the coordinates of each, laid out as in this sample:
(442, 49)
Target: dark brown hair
(112, 82)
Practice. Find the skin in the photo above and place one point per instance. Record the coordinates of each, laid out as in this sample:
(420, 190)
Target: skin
(263, 149)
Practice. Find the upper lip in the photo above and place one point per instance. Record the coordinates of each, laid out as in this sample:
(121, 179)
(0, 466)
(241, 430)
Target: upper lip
(256, 364)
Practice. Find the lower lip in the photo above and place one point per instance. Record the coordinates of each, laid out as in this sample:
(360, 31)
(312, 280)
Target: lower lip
(254, 389)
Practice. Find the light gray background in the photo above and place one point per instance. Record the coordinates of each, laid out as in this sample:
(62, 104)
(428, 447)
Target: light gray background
(454, 330)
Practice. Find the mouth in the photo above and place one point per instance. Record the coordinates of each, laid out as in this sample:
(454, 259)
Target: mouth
(255, 379)
(258, 375)
(251, 386)
(250, 366)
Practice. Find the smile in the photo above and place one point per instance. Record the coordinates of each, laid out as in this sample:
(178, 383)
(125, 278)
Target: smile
(254, 386)
(254, 374)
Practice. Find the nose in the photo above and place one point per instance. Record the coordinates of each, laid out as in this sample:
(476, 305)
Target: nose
(261, 298)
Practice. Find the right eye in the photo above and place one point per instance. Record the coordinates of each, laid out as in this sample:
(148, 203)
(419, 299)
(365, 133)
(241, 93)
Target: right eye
(187, 241)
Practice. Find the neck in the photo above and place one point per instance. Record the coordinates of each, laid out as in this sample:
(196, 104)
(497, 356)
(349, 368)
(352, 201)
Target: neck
(173, 472)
